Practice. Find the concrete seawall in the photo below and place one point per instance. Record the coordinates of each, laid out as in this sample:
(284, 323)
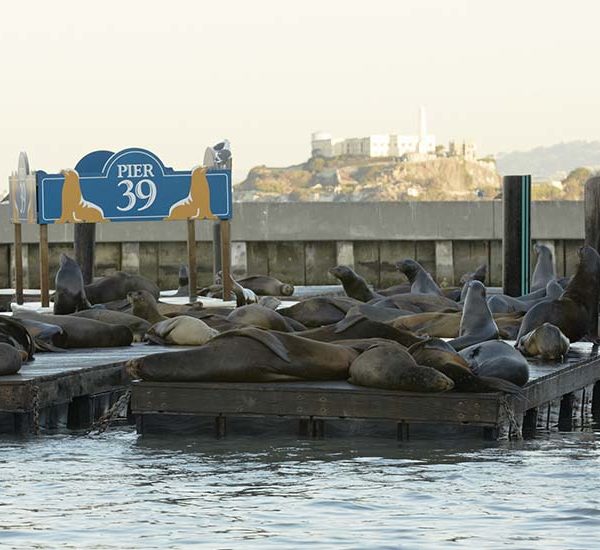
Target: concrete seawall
(298, 242)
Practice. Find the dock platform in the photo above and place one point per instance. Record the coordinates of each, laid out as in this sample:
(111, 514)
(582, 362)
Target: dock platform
(167, 407)
(66, 389)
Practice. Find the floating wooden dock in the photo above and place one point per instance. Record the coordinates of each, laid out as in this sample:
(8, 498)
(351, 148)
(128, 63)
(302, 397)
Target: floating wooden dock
(167, 407)
(66, 389)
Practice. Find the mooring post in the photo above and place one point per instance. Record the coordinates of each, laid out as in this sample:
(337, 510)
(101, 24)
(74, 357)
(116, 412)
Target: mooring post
(565, 415)
(516, 244)
(84, 241)
(221, 426)
(216, 249)
(530, 423)
(192, 264)
(591, 205)
(44, 273)
(18, 263)
(596, 402)
(403, 431)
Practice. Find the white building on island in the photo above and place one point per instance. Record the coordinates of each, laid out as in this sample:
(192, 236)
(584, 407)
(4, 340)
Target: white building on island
(378, 145)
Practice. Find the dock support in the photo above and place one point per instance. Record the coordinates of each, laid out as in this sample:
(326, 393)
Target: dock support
(18, 263)
(530, 424)
(516, 243)
(192, 264)
(596, 402)
(216, 249)
(591, 205)
(403, 431)
(44, 269)
(565, 415)
(81, 413)
(220, 426)
(226, 258)
(84, 241)
(311, 427)
(491, 433)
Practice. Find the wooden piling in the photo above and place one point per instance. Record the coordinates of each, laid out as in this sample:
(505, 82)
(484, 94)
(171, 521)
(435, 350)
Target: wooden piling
(192, 263)
(530, 423)
(216, 249)
(403, 431)
(596, 402)
(516, 201)
(565, 415)
(44, 270)
(18, 263)
(84, 242)
(226, 258)
(220, 426)
(591, 204)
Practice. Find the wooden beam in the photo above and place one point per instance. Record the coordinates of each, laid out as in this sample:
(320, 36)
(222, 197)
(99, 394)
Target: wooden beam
(18, 263)
(84, 242)
(226, 258)
(44, 270)
(192, 263)
(516, 201)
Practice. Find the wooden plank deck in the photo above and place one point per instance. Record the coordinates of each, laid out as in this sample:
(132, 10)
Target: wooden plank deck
(334, 400)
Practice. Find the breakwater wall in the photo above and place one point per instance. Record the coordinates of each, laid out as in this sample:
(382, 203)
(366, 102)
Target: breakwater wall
(299, 242)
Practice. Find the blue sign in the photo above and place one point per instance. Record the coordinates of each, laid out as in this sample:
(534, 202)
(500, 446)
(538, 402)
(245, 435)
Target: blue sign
(132, 185)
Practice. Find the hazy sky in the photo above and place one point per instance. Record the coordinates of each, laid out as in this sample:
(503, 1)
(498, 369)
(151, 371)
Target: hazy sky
(175, 76)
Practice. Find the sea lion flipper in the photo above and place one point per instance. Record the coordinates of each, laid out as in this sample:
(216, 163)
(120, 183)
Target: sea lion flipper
(347, 322)
(265, 338)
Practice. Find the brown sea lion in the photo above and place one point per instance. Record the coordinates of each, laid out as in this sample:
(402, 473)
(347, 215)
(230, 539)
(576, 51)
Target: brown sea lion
(377, 313)
(354, 285)
(477, 322)
(74, 207)
(70, 293)
(14, 333)
(46, 337)
(390, 367)
(544, 271)
(319, 311)
(575, 312)
(146, 307)
(181, 331)
(440, 355)
(439, 325)
(117, 286)
(269, 301)
(546, 341)
(402, 288)
(263, 285)
(421, 282)
(497, 359)
(261, 317)
(136, 324)
(249, 355)
(183, 288)
(81, 332)
(418, 303)
(360, 327)
(10, 359)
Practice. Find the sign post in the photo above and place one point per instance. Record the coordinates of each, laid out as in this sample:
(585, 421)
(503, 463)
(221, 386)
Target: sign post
(192, 264)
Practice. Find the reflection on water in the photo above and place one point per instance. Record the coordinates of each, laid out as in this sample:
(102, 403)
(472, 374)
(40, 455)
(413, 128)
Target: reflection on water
(118, 490)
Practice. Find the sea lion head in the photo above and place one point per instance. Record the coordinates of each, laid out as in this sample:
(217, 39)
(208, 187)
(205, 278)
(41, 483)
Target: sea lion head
(286, 289)
(478, 275)
(589, 257)
(409, 267)
(343, 272)
(140, 297)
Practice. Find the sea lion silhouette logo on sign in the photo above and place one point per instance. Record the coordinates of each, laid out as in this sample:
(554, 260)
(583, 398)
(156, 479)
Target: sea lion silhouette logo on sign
(75, 209)
(133, 185)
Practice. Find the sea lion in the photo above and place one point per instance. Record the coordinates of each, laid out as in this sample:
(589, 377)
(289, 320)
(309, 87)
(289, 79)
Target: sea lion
(136, 324)
(544, 271)
(249, 355)
(117, 286)
(183, 282)
(144, 305)
(13, 333)
(46, 337)
(318, 311)
(502, 303)
(243, 296)
(196, 206)
(354, 285)
(70, 293)
(575, 312)
(390, 367)
(418, 303)
(478, 275)
(74, 207)
(440, 355)
(181, 331)
(497, 359)
(360, 327)
(402, 288)
(10, 360)
(477, 323)
(440, 325)
(420, 280)
(81, 332)
(261, 317)
(377, 313)
(263, 285)
(547, 341)
(269, 301)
